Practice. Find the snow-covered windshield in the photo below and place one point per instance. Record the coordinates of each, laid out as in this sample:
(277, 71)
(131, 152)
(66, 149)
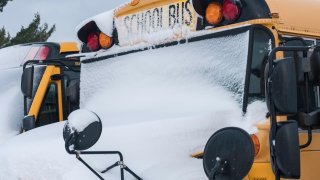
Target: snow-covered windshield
(13, 56)
(185, 80)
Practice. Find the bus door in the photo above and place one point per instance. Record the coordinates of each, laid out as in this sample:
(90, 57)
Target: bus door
(55, 93)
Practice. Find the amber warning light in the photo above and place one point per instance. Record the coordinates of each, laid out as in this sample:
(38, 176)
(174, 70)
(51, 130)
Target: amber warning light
(96, 41)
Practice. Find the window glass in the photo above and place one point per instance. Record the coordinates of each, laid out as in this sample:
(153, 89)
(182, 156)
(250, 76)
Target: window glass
(49, 109)
(262, 45)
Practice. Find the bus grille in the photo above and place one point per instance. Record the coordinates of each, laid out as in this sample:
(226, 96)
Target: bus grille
(259, 178)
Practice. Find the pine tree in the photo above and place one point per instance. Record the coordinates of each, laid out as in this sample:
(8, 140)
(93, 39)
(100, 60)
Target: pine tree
(4, 38)
(3, 3)
(33, 33)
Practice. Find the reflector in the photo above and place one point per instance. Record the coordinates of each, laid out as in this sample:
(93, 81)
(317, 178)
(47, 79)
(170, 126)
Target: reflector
(230, 11)
(214, 13)
(256, 144)
(42, 53)
(93, 42)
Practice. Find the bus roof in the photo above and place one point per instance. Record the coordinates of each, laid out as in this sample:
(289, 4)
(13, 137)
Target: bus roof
(296, 16)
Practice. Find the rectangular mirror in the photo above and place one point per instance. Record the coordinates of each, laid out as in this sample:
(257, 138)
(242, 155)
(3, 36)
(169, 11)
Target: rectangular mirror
(284, 86)
(287, 150)
(27, 82)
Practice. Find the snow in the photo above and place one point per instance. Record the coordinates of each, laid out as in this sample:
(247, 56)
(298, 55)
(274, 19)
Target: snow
(104, 21)
(80, 119)
(157, 38)
(157, 107)
(11, 103)
(12, 57)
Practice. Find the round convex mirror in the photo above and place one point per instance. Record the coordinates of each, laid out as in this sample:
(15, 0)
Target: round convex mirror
(233, 146)
(85, 126)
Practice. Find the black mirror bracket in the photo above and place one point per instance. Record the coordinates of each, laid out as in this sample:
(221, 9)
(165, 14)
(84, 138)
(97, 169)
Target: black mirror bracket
(219, 168)
(69, 143)
(275, 126)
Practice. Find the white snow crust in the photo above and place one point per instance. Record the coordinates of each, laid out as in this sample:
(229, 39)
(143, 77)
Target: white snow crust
(80, 119)
(157, 107)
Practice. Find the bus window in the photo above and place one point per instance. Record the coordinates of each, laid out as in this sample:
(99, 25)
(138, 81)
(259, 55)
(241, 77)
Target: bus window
(49, 109)
(262, 44)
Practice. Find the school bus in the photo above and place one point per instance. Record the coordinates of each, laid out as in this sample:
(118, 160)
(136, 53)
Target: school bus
(50, 86)
(269, 23)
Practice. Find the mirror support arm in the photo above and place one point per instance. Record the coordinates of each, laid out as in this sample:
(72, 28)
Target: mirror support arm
(70, 141)
(273, 118)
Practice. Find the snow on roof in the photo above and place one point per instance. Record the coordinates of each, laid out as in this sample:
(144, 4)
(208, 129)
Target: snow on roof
(152, 40)
(104, 22)
(81, 118)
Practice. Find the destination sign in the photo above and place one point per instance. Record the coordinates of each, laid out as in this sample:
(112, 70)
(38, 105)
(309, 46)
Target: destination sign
(138, 27)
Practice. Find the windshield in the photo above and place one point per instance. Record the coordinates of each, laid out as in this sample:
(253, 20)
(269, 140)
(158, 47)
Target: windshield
(192, 79)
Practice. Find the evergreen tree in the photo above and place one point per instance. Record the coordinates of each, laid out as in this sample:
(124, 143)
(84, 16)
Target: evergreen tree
(4, 38)
(33, 33)
(3, 3)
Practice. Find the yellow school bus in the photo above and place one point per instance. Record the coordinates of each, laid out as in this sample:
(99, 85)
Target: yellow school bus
(49, 83)
(141, 25)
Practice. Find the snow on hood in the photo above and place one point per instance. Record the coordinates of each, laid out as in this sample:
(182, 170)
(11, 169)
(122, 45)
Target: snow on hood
(104, 22)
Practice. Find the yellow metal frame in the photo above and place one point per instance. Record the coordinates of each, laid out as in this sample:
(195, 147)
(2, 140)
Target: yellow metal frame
(42, 89)
(68, 47)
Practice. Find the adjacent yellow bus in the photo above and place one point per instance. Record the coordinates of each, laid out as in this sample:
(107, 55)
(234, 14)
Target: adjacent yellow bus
(151, 24)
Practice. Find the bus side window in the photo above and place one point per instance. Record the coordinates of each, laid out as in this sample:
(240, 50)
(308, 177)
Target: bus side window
(49, 109)
(262, 44)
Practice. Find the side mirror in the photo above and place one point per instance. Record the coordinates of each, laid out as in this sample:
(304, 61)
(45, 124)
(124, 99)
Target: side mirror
(284, 86)
(81, 132)
(27, 82)
(287, 150)
(83, 129)
(28, 123)
(229, 154)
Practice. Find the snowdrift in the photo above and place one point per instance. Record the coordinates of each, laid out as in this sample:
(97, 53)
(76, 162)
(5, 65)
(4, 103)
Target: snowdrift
(157, 107)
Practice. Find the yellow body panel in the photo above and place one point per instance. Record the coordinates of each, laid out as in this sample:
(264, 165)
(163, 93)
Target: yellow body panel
(296, 16)
(41, 92)
(68, 47)
(261, 171)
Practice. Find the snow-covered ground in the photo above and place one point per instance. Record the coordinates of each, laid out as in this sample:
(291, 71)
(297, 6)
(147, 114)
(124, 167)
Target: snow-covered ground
(11, 103)
(157, 107)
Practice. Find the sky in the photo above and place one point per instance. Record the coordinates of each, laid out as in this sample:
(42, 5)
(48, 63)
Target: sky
(65, 14)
